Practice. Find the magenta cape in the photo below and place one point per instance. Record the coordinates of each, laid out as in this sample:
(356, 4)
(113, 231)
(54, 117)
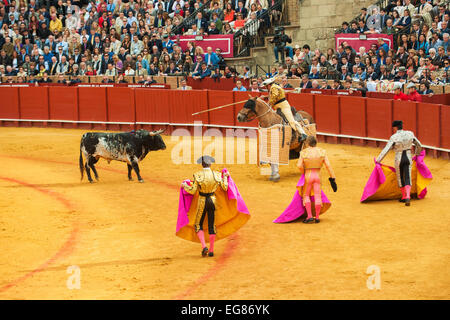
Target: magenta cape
(296, 208)
(382, 183)
(231, 212)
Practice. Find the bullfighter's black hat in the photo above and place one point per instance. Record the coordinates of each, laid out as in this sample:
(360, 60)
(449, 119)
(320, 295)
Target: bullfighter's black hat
(206, 159)
(397, 123)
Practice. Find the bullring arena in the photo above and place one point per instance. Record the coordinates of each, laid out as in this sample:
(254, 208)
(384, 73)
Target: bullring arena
(121, 234)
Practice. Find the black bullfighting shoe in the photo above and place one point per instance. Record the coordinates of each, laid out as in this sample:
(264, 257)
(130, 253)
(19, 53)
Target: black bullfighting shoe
(317, 220)
(211, 254)
(401, 200)
(310, 220)
(204, 252)
(407, 202)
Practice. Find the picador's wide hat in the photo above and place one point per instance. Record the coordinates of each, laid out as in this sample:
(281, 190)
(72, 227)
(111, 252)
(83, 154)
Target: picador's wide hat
(397, 123)
(268, 81)
(206, 159)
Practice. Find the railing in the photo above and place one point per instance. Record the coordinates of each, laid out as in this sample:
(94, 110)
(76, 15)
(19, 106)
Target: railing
(189, 20)
(264, 72)
(252, 34)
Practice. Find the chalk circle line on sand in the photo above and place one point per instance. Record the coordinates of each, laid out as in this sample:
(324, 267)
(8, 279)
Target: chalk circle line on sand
(68, 246)
(64, 250)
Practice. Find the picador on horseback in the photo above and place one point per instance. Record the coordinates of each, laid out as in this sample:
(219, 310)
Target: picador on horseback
(277, 100)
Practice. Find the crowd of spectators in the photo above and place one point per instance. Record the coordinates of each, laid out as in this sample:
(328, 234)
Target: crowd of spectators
(42, 38)
(419, 55)
(421, 42)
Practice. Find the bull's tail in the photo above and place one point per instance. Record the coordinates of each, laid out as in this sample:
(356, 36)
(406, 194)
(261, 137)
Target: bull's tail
(81, 165)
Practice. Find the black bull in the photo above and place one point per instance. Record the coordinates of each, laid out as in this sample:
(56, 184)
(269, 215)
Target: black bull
(129, 147)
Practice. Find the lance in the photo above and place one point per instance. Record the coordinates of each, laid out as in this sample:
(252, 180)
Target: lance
(217, 108)
(224, 106)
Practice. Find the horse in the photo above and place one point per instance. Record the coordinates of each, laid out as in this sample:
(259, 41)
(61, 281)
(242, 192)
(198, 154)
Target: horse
(256, 108)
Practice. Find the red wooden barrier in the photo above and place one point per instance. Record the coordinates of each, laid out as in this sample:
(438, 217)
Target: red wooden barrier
(225, 116)
(302, 101)
(379, 118)
(380, 95)
(101, 107)
(92, 106)
(63, 103)
(9, 103)
(407, 112)
(34, 103)
(428, 131)
(346, 93)
(318, 91)
(152, 106)
(327, 113)
(445, 127)
(121, 107)
(182, 104)
(353, 116)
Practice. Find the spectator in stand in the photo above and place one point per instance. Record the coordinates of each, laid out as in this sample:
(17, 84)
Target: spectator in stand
(337, 85)
(75, 79)
(45, 78)
(314, 73)
(324, 85)
(423, 9)
(227, 73)
(239, 22)
(364, 15)
(344, 73)
(212, 29)
(184, 86)
(203, 73)
(285, 84)
(247, 73)
(241, 9)
(228, 13)
(217, 74)
(227, 29)
(445, 42)
(106, 79)
(413, 94)
(353, 27)
(239, 86)
(345, 28)
(254, 86)
(360, 74)
(424, 89)
(405, 20)
(211, 58)
(306, 83)
(172, 70)
(362, 28)
(121, 78)
(399, 95)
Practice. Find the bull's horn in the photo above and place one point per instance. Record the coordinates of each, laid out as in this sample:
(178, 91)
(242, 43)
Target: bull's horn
(154, 133)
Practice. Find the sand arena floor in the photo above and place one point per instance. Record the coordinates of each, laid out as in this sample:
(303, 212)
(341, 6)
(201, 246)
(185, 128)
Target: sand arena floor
(121, 234)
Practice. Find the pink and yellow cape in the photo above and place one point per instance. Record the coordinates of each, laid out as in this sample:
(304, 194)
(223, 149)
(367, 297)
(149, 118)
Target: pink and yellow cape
(296, 209)
(231, 213)
(382, 184)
